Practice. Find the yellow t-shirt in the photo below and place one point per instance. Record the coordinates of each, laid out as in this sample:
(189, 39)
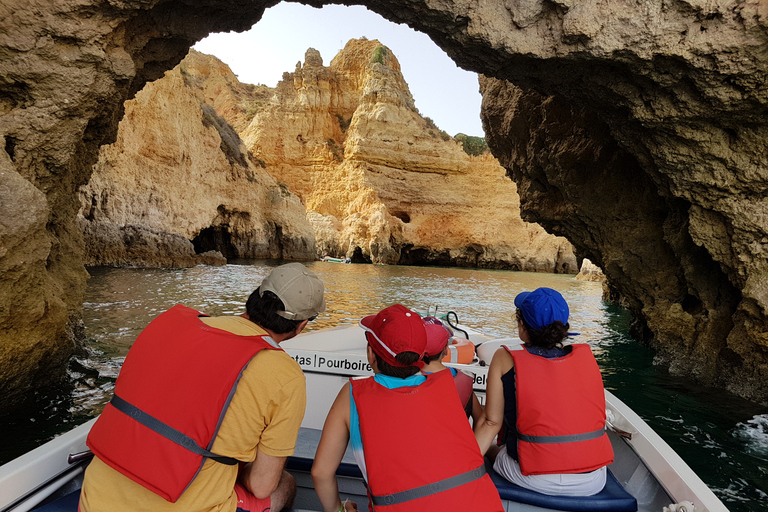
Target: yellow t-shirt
(265, 414)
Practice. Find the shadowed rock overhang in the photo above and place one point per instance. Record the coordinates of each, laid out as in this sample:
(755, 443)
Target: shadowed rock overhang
(638, 131)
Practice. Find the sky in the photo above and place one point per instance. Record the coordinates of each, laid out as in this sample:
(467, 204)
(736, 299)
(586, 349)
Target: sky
(442, 91)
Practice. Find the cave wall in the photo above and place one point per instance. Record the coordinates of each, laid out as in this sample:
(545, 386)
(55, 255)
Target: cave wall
(66, 67)
(635, 129)
(640, 136)
(579, 182)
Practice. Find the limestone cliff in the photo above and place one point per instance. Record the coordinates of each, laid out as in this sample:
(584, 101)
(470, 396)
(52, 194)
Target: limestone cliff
(665, 191)
(178, 180)
(404, 193)
(383, 184)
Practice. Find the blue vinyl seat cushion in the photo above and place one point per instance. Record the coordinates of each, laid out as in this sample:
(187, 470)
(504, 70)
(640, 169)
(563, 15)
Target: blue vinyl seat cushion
(613, 497)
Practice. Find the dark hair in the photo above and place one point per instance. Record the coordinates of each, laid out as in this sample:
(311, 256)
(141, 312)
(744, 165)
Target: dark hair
(401, 372)
(262, 310)
(549, 337)
(428, 359)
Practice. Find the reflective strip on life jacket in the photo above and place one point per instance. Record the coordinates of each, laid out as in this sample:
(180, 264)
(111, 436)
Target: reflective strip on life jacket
(167, 431)
(429, 489)
(574, 438)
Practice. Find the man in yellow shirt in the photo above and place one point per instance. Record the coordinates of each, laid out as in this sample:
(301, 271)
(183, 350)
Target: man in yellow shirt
(221, 384)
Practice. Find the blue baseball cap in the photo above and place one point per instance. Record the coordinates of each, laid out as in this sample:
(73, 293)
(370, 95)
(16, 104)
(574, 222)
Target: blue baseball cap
(541, 307)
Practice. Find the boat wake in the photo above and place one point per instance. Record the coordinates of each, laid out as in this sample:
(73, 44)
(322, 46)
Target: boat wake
(738, 492)
(754, 434)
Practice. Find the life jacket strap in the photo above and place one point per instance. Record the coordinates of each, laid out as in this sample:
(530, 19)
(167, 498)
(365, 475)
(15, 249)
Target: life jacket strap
(167, 431)
(428, 489)
(561, 439)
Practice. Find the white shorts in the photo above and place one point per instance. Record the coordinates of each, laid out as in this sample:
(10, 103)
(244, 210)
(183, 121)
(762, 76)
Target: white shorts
(567, 484)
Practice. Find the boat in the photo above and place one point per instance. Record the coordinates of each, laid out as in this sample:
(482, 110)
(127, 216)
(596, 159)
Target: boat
(331, 259)
(647, 475)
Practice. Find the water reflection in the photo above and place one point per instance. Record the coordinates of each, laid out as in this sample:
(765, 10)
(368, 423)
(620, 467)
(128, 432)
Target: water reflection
(122, 301)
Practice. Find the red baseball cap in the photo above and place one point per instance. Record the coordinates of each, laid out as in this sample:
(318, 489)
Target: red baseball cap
(393, 330)
(437, 338)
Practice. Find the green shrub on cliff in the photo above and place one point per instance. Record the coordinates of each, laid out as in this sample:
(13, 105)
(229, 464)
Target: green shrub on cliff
(230, 140)
(472, 145)
(338, 152)
(378, 54)
(254, 108)
(343, 123)
(434, 131)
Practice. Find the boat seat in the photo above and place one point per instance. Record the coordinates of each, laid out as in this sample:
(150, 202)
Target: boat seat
(613, 497)
(67, 503)
(305, 464)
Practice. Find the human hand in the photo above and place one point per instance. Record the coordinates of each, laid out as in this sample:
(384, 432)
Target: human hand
(349, 506)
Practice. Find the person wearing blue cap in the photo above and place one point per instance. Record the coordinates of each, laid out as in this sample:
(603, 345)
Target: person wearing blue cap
(548, 401)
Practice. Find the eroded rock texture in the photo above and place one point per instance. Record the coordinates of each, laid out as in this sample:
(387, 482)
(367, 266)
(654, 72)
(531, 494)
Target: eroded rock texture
(661, 107)
(383, 184)
(644, 143)
(405, 193)
(179, 181)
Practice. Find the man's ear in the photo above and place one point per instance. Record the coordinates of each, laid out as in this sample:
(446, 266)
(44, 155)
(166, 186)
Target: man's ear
(301, 325)
(372, 359)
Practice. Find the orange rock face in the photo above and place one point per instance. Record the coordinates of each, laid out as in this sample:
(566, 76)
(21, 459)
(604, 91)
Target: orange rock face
(178, 180)
(383, 184)
(378, 182)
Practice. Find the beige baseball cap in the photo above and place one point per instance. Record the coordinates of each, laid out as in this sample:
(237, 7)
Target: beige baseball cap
(299, 288)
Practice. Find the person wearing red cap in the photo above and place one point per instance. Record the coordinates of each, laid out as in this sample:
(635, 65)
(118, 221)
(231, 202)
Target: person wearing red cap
(551, 402)
(390, 418)
(437, 348)
(207, 409)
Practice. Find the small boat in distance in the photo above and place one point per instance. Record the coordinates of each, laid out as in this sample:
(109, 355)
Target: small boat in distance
(331, 259)
(646, 475)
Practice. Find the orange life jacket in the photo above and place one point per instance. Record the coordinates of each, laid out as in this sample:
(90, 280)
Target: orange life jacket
(170, 398)
(405, 432)
(560, 413)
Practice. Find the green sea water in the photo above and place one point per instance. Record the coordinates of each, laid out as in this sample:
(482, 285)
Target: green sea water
(723, 438)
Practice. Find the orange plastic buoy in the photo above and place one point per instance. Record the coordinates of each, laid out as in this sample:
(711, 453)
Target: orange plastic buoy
(460, 350)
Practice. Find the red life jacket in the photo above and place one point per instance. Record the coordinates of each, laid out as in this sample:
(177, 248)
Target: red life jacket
(560, 413)
(405, 432)
(170, 398)
(464, 385)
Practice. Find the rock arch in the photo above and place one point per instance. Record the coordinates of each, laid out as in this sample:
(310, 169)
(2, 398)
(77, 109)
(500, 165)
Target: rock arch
(637, 131)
